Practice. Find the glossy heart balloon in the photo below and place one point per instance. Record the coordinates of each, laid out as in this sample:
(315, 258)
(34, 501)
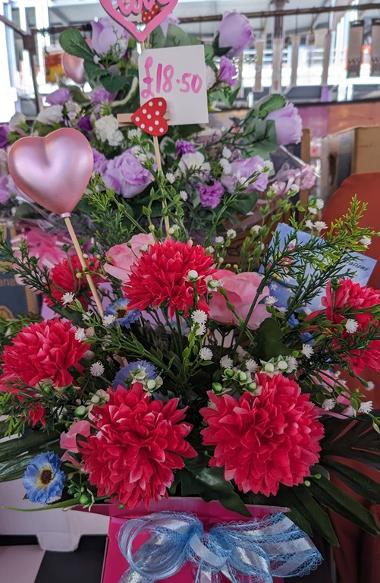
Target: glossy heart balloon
(54, 171)
(73, 67)
(130, 13)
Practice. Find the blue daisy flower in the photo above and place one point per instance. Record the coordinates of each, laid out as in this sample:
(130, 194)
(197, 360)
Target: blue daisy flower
(140, 370)
(124, 316)
(43, 478)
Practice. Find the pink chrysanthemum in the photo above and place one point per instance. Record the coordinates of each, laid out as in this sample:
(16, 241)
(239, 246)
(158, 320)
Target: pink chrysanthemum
(266, 440)
(138, 445)
(43, 351)
(161, 276)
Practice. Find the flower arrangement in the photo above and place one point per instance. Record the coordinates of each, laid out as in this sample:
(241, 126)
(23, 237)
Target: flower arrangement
(197, 381)
(217, 173)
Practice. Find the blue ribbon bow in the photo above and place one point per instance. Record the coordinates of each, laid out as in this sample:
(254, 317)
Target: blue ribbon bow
(254, 551)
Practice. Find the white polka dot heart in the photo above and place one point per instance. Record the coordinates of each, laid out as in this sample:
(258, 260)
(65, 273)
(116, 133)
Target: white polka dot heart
(150, 117)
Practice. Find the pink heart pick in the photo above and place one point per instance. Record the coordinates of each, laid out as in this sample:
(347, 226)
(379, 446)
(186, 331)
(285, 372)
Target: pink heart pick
(123, 10)
(54, 171)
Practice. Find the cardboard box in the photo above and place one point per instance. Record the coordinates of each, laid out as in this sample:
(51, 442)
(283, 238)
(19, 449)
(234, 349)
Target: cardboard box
(353, 151)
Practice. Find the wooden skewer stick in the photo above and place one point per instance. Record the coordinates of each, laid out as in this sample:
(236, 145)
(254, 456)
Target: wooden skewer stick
(82, 261)
(157, 154)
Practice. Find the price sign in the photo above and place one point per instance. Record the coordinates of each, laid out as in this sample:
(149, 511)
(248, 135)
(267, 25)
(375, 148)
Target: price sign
(179, 75)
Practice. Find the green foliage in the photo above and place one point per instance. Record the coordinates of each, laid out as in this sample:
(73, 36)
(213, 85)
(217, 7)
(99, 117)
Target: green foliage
(270, 340)
(112, 216)
(73, 43)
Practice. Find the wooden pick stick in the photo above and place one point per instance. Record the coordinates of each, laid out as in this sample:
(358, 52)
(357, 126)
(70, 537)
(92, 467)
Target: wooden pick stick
(82, 261)
(157, 154)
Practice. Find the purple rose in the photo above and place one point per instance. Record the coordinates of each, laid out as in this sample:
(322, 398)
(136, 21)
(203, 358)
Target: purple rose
(211, 195)
(184, 147)
(227, 71)
(235, 33)
(84, 124)
(288, 125)
(4, 132)
(100, 162)
(108, 36)
(243, 170)
(126, 175)
(59, 97)
(101, 95)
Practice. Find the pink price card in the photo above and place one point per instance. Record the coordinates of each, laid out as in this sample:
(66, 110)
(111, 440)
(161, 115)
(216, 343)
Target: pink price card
(179, 75)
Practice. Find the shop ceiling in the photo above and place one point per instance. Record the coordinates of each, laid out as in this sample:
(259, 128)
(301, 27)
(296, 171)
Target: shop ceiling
(76, 12)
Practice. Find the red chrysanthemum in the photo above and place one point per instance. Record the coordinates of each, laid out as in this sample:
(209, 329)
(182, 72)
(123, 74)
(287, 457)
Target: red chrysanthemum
(350, 297)
(346, 302)
(161, 276)
(67, 277)
(44, 351)
(138, 445)
(266, 440)
(37, 414)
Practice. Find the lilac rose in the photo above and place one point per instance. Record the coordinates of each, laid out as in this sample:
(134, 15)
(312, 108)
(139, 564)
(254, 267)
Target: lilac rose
(59, 97)
(243, 170)
(100, 95)
(227, 71)
(288, 125)
(108, 36)
(126, 175)
(100, 162)
(211, 195)
(235, 33)
(4, 132)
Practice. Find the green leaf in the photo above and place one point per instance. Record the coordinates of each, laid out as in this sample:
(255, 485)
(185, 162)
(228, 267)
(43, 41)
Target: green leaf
(356, 480)
(269, 340)
(61, 504)
(178, 37)
(73, 43)
(353, 438)
(269, 104)
(77, 95)
(334, 498)
(29, 441)
(210, 484)
(245, 203)
(315, 514)
(114, 83)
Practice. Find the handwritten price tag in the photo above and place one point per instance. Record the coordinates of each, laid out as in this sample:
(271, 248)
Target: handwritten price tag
(179, 75)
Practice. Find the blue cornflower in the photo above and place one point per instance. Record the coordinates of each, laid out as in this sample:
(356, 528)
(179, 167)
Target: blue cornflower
(124, 316)
(307, 338)
(43, 478)
(293, 321)
(140, 370)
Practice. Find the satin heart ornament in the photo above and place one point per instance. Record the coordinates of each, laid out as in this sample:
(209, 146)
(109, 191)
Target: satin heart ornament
(132, 13)
(73, 67)
(54, 171)
(150, 117)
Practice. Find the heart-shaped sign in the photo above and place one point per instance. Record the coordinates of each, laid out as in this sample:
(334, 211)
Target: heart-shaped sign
(139, 17)
(54, 171)
(150, 117)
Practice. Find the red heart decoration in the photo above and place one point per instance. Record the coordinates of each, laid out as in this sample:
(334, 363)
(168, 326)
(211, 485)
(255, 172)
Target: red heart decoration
(150, 117)
(148, 15)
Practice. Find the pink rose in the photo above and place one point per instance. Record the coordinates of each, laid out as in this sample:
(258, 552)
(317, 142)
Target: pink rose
(68, 440)
(121, 257)
(241, 289)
